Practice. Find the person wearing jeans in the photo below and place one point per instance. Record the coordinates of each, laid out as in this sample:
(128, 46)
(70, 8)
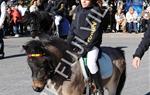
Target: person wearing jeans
(16, 29)
(16, 18)
(132, 21)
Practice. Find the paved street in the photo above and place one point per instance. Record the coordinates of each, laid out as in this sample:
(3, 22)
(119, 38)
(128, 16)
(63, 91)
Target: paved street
(15, 75)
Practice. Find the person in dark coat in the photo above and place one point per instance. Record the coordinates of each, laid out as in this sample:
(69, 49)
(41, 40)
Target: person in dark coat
(142, 48)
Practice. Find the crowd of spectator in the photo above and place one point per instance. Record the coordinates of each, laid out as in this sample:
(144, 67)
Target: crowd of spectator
(128, 22)
(13, 23)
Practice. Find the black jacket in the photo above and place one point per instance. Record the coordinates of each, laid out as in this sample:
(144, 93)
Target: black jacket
(80, 25)
(144, 44)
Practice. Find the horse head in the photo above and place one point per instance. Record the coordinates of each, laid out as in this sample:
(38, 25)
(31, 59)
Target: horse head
(39, 22)
(43, 58)
(40, 62)
(33, 21)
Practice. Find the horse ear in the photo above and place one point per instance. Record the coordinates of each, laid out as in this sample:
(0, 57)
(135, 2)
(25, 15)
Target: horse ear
(27, 13)
(25, 47)
(44, 45)
(46, 42)
(26, 17)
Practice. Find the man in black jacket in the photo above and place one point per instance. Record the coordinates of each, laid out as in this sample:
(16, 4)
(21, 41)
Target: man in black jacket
(143, 46)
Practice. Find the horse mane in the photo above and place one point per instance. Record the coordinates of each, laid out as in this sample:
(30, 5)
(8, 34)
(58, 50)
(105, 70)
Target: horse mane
(58, 42)
(55, 41)
(55, 45)
(34, 46)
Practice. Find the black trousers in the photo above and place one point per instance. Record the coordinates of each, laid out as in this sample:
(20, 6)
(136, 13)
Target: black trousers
(1, 42)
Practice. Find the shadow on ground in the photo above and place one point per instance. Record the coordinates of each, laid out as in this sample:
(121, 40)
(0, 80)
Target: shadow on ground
(12, 56)
(147, 93)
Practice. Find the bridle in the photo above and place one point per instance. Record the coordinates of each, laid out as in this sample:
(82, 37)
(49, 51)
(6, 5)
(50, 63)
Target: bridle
(43, 56)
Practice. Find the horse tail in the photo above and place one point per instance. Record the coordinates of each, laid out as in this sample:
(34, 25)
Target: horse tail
(121, 51)
(121, 82)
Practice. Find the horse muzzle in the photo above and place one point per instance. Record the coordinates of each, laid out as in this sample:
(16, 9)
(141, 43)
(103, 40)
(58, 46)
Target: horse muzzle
(37, 85)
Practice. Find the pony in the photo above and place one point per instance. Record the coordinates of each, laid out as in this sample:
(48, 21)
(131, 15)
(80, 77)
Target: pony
(41, 24)
(42, 4)
(50, 61)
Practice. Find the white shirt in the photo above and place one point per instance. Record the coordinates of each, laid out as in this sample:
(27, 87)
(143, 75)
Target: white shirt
(119, 17)
(33, 8)
(22, 10)
(132, 17)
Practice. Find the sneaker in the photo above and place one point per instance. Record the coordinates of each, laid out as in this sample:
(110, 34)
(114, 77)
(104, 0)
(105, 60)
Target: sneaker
(113, 31)
(16, 35)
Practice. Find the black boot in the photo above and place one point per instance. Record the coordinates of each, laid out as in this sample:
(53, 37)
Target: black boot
(98, 82)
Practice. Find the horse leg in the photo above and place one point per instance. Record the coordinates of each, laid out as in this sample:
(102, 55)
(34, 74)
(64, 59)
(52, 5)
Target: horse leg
(121, 82)
(112, 89)
(113, 83)
(122, 69)
(116, 87)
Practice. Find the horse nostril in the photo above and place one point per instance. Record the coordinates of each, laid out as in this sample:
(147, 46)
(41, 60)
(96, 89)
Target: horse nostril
(38, 89)
(37, 85)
